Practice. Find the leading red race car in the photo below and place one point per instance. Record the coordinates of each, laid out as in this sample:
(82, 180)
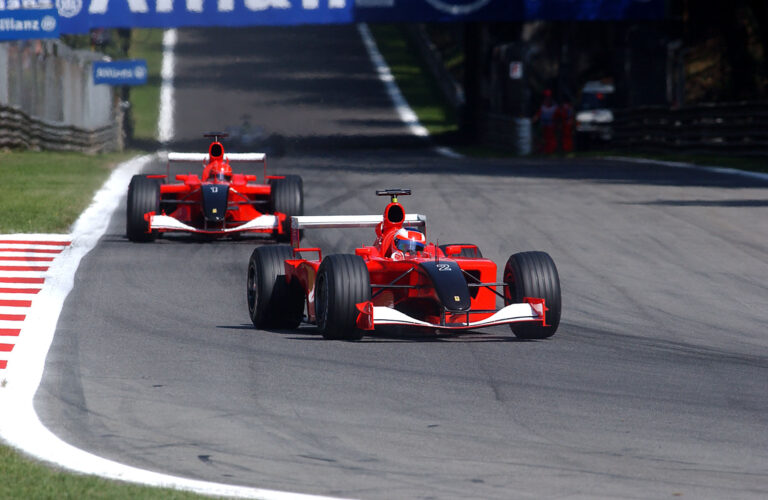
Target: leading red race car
(217, 203)
(399, 280)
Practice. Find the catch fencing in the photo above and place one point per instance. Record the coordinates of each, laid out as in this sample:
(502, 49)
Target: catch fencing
(48, 99)
(732, 128)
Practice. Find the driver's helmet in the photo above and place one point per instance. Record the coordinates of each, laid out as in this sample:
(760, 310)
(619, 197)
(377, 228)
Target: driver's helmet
(409, 239)
(221, 173)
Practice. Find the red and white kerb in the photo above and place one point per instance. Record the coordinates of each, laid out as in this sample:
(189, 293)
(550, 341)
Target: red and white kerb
(24, 264)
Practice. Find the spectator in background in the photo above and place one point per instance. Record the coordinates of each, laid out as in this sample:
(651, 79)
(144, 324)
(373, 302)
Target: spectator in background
(567, 120)
(546, 117)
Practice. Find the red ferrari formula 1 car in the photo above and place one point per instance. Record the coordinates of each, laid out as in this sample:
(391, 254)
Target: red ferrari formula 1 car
(399, 280)
(217, 203)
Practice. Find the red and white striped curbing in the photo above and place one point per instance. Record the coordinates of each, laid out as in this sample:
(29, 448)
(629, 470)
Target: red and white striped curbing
(25, 261)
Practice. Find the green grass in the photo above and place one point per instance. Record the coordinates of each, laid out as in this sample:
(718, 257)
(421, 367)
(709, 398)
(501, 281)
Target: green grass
(44, 191)
(147, 44)
(23, 478)
(415, 82)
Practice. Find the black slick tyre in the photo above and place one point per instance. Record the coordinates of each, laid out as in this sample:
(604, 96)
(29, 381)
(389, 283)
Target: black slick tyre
(343, 282)
(465, 252)
(143, 197)
(287, 197)
(272, 302)
(533, 274)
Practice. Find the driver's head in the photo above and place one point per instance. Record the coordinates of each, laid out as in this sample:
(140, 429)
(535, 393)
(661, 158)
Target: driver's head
(409, 240)
(221, 173)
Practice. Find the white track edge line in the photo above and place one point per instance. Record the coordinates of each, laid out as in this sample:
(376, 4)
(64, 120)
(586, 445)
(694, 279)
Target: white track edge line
(404, 110)
(165, 129)
(679, 164)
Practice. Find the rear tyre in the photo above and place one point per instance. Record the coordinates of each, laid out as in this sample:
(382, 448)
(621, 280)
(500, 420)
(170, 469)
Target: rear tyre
(342, 282)
(272, 302)
(143, 197)
(465, 252)
(533, 274)
(288, 198)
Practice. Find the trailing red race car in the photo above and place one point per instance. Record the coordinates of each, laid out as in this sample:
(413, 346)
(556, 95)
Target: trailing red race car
(217, 203)
(399, 280)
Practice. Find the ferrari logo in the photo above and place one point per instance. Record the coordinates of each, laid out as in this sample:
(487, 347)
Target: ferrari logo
(456, 298)
(214, 210)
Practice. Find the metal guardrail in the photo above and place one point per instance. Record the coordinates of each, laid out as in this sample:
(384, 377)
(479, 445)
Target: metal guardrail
(17, 129)
(48, 99)
(738, 128)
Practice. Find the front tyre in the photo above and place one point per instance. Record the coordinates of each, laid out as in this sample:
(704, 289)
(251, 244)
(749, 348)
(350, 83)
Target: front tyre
(287, 197)
(343, 282)
(533, 274)
(272, 301)
(143, 197)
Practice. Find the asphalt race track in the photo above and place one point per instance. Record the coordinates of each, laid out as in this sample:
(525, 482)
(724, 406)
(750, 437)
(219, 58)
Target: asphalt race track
(655, 385)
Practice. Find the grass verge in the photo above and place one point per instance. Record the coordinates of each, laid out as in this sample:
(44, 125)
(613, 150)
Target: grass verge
(147, 44)
(23, 478)
(45, 191)
(416, 83)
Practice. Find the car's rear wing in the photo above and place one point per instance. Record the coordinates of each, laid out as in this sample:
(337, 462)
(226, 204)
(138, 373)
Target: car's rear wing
(300, 222)
(203, 157)
(175, 157)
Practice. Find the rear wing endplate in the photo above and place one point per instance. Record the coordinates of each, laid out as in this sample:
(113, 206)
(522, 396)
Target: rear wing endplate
(346, 221)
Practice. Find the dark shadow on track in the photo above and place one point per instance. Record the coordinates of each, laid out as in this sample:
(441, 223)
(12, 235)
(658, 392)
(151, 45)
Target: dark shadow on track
(599, 171)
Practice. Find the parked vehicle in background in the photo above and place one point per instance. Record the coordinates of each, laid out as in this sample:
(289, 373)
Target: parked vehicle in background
(594, 118)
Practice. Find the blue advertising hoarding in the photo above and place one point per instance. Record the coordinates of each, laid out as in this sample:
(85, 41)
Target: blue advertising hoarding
(22, 24)
(506, 10)
(126, 72)
(80, 16)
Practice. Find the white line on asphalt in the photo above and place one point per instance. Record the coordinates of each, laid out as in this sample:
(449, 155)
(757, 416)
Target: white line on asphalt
(165, 120)
(678, 164)
(404, 110)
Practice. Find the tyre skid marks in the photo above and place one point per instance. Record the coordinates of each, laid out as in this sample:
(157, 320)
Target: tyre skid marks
(21, 279)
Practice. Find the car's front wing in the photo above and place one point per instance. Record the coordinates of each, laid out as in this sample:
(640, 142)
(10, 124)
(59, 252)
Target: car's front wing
(263, 223)
(370, 316)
